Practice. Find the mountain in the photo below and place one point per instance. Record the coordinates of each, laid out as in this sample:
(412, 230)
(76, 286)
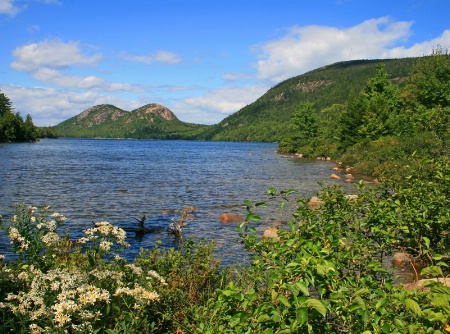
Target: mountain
(267, 119)
(152, 121)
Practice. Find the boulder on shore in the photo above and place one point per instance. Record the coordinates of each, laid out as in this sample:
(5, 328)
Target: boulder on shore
(400, 260)
(419, 285)
(315, 201)
(335, 177)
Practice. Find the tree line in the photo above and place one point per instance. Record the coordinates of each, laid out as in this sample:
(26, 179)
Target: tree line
(13, 128)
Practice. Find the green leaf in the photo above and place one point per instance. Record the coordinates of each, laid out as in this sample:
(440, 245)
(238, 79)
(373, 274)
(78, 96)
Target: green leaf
(432, 270)
(361, 302)
(302, 315)
(303, 288)
(228, 292)
(381, 303)
(361, 292)
(440, 300)
(284, 300)
(426, 241)
(252, 216)
(293, 264)
(413, 306)
(317, 305)
(271, 192)
(263, 317)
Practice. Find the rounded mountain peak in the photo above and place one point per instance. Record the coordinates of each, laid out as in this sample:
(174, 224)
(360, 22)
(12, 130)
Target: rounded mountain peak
(158, 110)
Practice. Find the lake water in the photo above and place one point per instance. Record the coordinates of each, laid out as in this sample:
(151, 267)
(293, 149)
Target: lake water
(90, 180)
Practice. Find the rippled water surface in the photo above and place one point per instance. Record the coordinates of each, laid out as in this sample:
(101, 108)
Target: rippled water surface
(119, 180)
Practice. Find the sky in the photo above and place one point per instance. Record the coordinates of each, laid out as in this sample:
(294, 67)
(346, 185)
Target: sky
(203, 59)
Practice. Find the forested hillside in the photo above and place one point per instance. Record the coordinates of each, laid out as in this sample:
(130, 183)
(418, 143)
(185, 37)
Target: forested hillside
(379, 127)
(270, 117)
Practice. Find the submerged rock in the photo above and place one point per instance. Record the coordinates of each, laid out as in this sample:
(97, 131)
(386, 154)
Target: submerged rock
(230, 218)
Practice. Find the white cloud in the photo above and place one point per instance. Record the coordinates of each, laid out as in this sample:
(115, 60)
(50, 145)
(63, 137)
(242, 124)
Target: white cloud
(8, 7)
(49, 106)
(236, 76)
(60, 79)
(45, 61)
(212, 107)
(305, 48)
(161, 56)
(51, 54)
(420, 49)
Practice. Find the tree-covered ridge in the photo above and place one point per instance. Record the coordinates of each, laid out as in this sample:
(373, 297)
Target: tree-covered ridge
(270, 117)
(152, 121)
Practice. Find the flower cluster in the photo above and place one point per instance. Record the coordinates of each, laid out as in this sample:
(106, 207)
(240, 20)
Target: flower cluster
(70, 290)
(30, 231)
(104, 236)
(154, 274)
(139, 293)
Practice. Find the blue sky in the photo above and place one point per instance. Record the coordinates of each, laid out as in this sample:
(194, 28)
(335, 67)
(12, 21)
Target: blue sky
(203, 59)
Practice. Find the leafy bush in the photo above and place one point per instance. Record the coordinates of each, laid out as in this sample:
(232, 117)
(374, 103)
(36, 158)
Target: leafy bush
(59, 285)
(325, 274)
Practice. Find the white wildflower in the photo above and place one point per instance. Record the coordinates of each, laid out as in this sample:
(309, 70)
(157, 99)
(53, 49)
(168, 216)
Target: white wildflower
(105, 245)
(58, 216)
(154, 274)
(135, 269)
(24, 245)
(13, 234)
(23, 276)
(51, 225)
(35, 329)
(50, 238)
(139, 293)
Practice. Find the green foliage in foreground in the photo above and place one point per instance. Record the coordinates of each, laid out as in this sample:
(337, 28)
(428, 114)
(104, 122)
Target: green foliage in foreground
(322, 274)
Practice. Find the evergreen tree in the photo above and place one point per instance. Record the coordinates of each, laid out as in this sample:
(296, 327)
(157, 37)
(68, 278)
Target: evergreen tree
(427, 97)
(5, 104)
(373, 113)
(429, 83)
(30, 133)
(305, 123)
(12, 125)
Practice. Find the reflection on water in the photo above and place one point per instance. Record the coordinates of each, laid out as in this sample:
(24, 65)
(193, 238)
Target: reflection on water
(119, 180)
